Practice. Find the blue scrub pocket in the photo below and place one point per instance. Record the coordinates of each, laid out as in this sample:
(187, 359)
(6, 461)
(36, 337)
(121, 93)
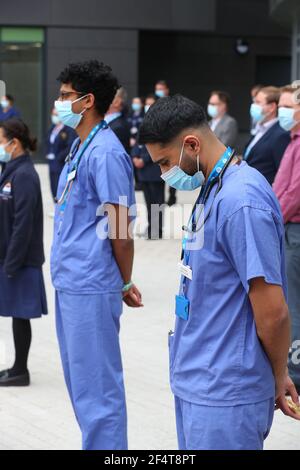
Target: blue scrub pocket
(182, 307)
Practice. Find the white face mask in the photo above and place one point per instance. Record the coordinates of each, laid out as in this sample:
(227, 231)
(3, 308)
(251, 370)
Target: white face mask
(5, 157)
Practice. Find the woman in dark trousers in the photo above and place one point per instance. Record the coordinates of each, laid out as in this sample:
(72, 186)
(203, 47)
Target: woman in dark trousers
(22, 290)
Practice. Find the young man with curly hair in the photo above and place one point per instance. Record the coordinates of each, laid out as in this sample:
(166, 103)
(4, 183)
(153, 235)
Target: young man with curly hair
(92, 266)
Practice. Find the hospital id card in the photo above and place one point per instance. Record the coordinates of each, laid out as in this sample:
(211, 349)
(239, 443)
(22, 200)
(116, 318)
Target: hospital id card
(185, 271)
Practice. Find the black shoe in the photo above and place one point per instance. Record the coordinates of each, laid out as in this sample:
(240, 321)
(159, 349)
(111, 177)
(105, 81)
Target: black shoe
(6, 380)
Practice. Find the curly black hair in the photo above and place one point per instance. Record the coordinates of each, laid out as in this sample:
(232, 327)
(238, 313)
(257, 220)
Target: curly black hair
(92, 77)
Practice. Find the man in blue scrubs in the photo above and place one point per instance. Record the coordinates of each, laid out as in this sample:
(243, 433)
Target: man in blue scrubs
(91, 269)
(228, 355)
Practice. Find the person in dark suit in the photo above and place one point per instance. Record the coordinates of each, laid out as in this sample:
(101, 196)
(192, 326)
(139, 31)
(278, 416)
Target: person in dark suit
(266, 148)
(153, 187)
(58, 144)
(22, 290)
(117, 121)
(162, 90)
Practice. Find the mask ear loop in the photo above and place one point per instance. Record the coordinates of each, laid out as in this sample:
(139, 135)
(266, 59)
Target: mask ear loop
(8, 143)
(181, 154)
(79, 99)
(198, 163)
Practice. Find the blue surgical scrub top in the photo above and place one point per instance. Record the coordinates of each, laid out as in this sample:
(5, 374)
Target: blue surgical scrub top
(81, 260)
(216, 358)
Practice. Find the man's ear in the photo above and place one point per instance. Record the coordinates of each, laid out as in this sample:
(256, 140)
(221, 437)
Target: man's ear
(90, 101)
(192, 142)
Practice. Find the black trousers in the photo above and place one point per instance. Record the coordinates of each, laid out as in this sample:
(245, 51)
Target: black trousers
(54, 178)
(154, 193)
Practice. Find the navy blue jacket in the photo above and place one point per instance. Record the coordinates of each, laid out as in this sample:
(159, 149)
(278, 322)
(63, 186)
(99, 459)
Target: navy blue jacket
(267, 153)
(121, 128)
(151, 171)
(60, 148)
(21, 216)
(135, 120)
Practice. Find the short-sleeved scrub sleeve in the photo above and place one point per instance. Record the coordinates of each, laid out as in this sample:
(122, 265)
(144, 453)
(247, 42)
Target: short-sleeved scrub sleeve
(251, 239)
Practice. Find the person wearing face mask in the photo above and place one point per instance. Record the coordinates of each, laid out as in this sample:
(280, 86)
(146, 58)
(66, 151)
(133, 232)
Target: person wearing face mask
(287, 189)
(228, 354)
(58, 144)
(7, 109)
(153, 187)
(162, 89)
(22, 290)
(92, 255)
(266, 148)
(222, 124)
(135, 119)
(253, 92)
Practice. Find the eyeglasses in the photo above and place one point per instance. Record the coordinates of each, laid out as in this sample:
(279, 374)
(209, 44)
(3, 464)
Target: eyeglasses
(65, 94)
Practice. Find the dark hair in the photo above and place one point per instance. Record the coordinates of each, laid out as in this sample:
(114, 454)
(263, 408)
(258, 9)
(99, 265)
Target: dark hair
(92, 77)
(168, 117)
(223, 96)
(151, 96)
(162, 82)
(10, 98)
(17, 129)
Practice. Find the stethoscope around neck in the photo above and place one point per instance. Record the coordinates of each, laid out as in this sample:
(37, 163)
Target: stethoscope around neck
(217, 180)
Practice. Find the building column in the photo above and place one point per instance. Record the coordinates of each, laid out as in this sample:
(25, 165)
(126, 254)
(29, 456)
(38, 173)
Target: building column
(296, 47)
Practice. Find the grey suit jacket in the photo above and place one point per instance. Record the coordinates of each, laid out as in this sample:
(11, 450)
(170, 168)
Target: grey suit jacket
(227, 130)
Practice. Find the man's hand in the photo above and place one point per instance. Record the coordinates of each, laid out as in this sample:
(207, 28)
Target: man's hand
(287, 388)
(133, 297)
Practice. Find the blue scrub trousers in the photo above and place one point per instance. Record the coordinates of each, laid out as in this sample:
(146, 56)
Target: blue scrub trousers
(88, 334)
(243, 427)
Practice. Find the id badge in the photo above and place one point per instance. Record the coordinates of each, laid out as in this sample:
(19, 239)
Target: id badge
(185, 271)
(182, 307)
(72, 175)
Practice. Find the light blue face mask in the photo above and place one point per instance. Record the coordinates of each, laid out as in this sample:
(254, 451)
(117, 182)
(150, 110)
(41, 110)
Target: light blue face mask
(160, 93)
(55, 119)
(212, 110)
(5, 157)
(136, 107)
(4, 104)
(257, 113)
(66, 114)
(287, 119)
(178, 179)
(146, 108)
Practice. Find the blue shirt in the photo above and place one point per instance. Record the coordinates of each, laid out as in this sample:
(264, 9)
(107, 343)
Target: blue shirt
(81, 261)
(10, 113)
(216, 356)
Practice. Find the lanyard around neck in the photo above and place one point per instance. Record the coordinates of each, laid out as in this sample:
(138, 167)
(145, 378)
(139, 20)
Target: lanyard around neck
(74, 164)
